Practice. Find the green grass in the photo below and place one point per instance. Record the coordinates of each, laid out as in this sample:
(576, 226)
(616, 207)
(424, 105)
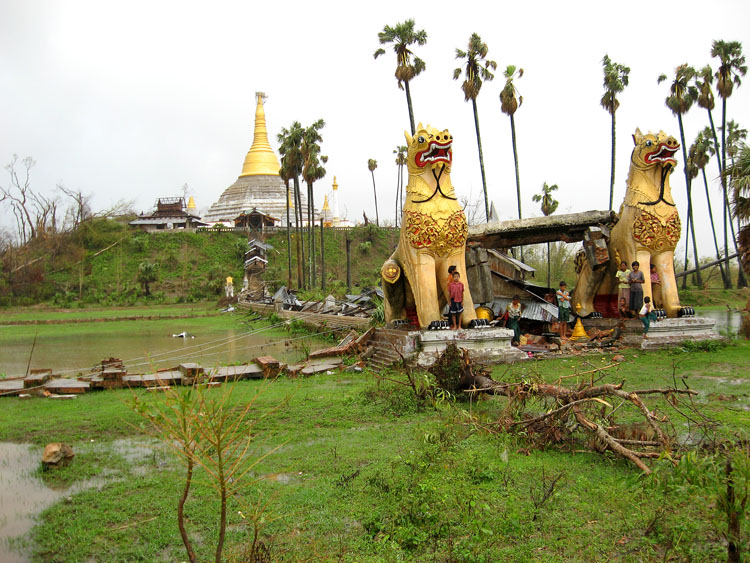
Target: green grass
(46, 313)
(370, 474)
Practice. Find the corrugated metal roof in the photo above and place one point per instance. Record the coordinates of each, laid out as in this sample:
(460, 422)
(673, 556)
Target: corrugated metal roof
(517, 263)
(532, 309)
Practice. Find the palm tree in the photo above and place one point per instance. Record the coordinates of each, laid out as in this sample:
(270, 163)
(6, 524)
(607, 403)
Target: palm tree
(615, 81)
(408, 65)
(682, 95)
(286, 175)
(549, 206)
(400, 152)
(509, 103)
(476, 71)
(738, 175)
(372, 164)
(312, 170)
(731, 68)
(698, 157)
(290, 141)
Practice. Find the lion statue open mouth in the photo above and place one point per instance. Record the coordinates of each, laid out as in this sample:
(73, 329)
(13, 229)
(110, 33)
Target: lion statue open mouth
(433, 234)
(647, 231)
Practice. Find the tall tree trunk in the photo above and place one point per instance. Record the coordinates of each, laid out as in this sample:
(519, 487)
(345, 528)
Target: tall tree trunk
(727, 278)
(322, 257)
(741, 282)
(288, 239)
(408, 103)
(687, 249)
(690, 201)
(612, 175)
(374, 191)
(298, 228)
(549, 279)
(348, 263)
(481, 161)
(724, 276)
(311, 231)
(515, 161)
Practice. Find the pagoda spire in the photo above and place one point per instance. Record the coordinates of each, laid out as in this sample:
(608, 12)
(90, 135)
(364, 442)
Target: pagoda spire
(260, 159)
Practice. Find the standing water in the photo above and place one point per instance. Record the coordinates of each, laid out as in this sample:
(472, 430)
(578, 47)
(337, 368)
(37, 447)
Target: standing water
(23, 495)
(727, 321)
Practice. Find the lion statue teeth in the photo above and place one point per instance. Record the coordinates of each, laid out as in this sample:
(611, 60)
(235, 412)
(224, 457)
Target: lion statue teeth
(433, 234)
(647, 230)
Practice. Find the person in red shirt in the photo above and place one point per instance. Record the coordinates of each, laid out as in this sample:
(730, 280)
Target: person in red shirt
(456, 293)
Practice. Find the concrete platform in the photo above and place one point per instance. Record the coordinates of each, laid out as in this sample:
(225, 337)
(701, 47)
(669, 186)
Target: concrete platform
(486, 345)
(661, 334)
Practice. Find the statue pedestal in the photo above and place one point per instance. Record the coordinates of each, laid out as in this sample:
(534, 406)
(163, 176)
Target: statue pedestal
(661, 334)
(671, 332)
(485, 345)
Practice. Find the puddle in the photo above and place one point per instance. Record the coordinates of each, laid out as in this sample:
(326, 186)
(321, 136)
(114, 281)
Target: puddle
(24, 495)
(721, 380)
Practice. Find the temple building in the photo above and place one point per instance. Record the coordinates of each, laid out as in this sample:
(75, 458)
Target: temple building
(259, 187)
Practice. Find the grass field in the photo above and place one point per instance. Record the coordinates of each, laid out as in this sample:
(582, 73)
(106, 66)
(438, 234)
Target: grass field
(366, 472)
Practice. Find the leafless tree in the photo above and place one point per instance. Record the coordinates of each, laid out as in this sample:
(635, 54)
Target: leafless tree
(18, 196)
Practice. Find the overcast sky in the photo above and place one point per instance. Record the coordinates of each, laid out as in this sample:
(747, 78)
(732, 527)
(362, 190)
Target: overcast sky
(131, 100)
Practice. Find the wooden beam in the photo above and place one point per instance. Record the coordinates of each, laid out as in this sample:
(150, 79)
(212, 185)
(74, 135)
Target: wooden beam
(520, 232)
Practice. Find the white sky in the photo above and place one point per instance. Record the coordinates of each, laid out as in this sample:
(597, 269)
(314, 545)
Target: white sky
(131, 100)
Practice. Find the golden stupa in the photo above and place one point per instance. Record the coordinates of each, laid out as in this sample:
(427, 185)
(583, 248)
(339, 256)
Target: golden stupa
(260, 159)
(259, 185)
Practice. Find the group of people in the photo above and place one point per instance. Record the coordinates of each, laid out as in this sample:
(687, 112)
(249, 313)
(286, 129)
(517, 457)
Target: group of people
(632, 304)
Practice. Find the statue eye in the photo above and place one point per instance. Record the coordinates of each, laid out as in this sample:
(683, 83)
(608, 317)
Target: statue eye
(421, 139)
(649, 143)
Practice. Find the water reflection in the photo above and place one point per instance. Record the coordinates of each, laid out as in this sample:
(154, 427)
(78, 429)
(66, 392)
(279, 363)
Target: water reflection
(23, 495)
(726, 320)
(152, 347)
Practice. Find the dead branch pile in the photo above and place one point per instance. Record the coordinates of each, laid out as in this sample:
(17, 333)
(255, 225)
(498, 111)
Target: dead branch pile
(588, 406)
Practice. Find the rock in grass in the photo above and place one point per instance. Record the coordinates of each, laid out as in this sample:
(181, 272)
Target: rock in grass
(57, 454)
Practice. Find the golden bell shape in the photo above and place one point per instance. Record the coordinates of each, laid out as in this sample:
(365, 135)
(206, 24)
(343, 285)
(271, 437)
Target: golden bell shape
(260, 159)
(579, 333)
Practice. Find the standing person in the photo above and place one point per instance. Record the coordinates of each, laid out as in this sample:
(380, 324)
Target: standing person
(623, 279)
(451, 269)
(563, 308)
(655, 287)
(456, 293)
(646, 315)
(637, 280)
(513, 310)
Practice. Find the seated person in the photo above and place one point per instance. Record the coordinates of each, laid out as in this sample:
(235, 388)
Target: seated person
(624, 310)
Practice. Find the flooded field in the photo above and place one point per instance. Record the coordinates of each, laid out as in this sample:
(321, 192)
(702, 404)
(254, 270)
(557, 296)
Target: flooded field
(142, 345)
(726, 320)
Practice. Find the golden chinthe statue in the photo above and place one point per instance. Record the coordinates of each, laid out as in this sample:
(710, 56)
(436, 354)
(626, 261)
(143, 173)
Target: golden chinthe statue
(433, 235)
(647, 231)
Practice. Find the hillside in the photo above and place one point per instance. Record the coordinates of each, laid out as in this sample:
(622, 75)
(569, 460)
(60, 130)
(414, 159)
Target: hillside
(99, 263)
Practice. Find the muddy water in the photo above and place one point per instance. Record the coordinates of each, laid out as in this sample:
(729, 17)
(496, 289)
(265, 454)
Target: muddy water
(144, 350)
(726, 321)
(23, 496)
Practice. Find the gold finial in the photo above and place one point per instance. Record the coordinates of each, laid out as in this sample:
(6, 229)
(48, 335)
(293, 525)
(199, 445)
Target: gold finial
(335, 185)
(260, 159)
(579, 333)
(325, 204)
(191, 204)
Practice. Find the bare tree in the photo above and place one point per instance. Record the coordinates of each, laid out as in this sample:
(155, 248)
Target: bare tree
(79, 210)
(18, 194)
